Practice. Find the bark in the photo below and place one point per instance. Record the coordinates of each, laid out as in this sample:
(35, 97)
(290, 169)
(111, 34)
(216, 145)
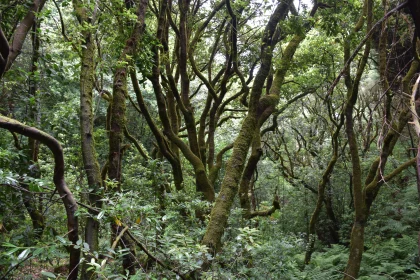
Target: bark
(90, 161)
(364, 195)
(244, 186)
(415, 111)
(361, 212)
(215, 168)
(59, 182)
(220, 212)
(266, 213)
(265, 109)
(34, 113)
(9, 53)
(133, 140)
(185, 82)
(37, 218)
(350, 58)
(335, 226)
(414, 7)
(35, 213)
(213, 100)
(4, 52)
(191, 151)
(257, 105)
(160, 139)
(118, 123)
(21, 31)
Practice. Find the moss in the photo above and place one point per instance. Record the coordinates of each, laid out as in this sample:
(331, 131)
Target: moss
(220, 212)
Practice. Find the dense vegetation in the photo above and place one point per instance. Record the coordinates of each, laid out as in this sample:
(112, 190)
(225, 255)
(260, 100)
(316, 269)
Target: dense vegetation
(146, 139)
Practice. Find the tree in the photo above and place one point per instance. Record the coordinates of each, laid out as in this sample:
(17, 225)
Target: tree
(247, 117)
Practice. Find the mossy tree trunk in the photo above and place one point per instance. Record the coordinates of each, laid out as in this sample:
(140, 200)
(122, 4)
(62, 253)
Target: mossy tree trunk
(365, 193)
(90, 161)
(191, 151)
(167, 151)
(414, 7)
(257, 106)
(117, 124)
(361, 212)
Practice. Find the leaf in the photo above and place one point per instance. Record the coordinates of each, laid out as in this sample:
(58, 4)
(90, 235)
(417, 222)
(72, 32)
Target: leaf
(8, 245)
(24, 254)
(100, 215)
(118, 222)
(61, 239)
(48, 274)
(33, 187)
(10, 252)
(37, 251)
(110, 250)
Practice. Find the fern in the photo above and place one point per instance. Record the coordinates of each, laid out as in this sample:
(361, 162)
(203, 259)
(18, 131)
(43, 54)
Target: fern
(396, 227)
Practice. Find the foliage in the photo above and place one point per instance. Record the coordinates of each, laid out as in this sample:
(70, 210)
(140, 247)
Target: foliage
(167, 221)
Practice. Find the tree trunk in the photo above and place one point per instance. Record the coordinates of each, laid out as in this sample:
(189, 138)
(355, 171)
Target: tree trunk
(22, 30)
(244, 186)
(235, 166)
(356, 247)
(118, 123)
(38, 219)
(90, 161)
(321, 192)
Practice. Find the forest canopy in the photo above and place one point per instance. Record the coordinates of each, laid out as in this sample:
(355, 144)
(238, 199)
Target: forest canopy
(226, 139)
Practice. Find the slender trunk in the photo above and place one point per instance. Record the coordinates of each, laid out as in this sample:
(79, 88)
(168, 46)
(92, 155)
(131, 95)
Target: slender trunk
(357, 234)
(90, 161)
(38, 219)
(22, 30)
(251, 166)
(163, 146)
(334, 227)
(118, 123)
(321, 191)
(191, 151)
(356, 247)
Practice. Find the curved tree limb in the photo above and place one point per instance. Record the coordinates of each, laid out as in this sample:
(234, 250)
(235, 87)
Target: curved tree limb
(59, 182)
(265, 213)
(142, 152)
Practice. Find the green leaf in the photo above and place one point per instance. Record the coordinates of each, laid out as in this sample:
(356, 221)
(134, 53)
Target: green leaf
(9, 245)
(48, 274)
(37, 251)
(24, 254)
(101, 214)
(61, 239)
(10, 252)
